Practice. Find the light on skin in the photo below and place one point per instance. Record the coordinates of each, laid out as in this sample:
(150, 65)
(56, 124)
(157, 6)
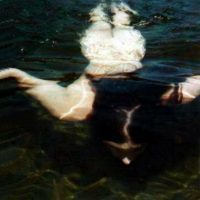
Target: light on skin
(73, 103)
(125, 131)
(187, 91)
(129, 114)
(126, 161)
(85, 92)
(127, 150)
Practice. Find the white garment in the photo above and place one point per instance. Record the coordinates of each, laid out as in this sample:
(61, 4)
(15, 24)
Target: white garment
(128, 43)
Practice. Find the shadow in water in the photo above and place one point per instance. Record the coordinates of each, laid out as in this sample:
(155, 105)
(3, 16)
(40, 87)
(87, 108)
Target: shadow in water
(168, 129)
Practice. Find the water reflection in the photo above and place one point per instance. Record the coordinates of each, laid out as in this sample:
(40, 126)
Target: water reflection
(79, 162)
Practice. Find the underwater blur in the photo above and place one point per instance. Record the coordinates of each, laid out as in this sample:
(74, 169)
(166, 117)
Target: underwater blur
(44, 158)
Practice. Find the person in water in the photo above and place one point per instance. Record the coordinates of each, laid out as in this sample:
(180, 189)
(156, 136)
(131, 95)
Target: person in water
(114, 49)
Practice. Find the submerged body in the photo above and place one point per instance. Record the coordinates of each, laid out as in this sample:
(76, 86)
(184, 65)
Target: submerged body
(111, 56)
(93, 99)
(72, 103)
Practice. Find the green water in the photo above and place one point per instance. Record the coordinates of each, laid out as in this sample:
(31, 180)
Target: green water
(43, 158)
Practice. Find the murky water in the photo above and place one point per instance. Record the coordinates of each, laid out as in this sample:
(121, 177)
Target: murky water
(43, 158)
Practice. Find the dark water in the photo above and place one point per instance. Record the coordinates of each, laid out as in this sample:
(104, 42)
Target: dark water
(42, 158)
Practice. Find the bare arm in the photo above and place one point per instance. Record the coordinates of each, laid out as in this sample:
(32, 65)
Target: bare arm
(73, 103)
(186, 91)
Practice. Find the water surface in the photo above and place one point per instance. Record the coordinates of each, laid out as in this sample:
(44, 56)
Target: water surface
(43, 158)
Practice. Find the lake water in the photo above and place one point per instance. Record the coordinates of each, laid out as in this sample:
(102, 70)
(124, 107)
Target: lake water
(43, 158)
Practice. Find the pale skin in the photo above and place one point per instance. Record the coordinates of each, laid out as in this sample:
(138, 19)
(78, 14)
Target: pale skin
(75, 103)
